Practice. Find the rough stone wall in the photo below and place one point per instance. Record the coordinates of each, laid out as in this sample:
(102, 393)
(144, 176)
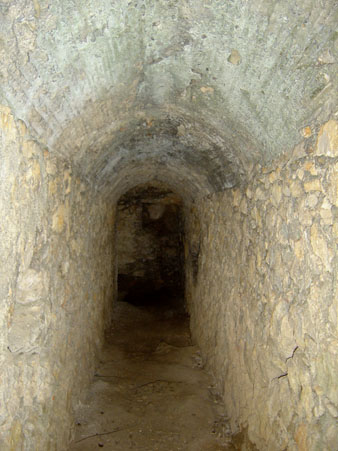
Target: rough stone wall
(56, 288)
(262, 291)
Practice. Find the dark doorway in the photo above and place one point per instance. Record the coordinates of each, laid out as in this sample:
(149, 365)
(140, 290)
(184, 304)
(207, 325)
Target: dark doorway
(150, 245)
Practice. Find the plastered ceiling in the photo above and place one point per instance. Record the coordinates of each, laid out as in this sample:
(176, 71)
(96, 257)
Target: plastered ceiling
(190, 92)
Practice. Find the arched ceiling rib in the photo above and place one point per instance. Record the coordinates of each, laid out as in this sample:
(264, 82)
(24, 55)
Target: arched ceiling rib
(204, 85)
(188, 185)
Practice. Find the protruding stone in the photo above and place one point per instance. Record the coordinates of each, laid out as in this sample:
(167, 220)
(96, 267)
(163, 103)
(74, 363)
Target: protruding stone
(326, 58)
(327, 143)
(307, 132)
(32, 286)
(59, 219)
(310, 167)
(207, 89)
(313, 185)
(311, 200)
(234, 57)
(301, 437)
(296, 189)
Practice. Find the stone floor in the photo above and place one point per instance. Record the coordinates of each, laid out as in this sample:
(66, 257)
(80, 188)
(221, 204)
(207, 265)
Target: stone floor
(150, 392)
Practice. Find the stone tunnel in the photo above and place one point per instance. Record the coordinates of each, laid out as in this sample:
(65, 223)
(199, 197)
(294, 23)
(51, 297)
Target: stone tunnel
(232, 107)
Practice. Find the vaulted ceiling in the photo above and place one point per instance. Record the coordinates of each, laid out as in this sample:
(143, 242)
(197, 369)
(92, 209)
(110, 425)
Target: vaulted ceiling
(186, 91)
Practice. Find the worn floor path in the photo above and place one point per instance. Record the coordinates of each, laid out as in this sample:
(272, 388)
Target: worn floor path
(150, 392)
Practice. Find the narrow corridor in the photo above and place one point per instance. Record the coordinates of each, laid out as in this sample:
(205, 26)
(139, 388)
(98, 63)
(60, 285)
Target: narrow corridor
(150, 391)
(179, 147)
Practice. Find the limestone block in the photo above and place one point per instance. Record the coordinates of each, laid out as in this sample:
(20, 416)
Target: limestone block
(305, 216)
(26, 330)
(311, 201)
(29, 148)
(333, 409)
(287, 340)
(307, 402)
(319, 246)
(309, 166)
(296, 188)
(327, 142)
(299, 249)
(259, 194)
(243, 206)
(249, 193)
(294, 230)
(237, 197)
(293, 379)
(32, 286)
(301, 437)
(286, 190)
(52, 187)
(326, 216)
(51, 167)
(276, 194)
(58, 221)
(67, 179)
(313, 185)
(7, 124)
(331, 188)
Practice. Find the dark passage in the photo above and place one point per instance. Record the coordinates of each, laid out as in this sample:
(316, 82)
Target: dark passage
(150, 245)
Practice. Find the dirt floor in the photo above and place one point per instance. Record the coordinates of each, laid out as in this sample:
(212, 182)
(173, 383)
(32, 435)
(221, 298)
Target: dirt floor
(150, 392)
